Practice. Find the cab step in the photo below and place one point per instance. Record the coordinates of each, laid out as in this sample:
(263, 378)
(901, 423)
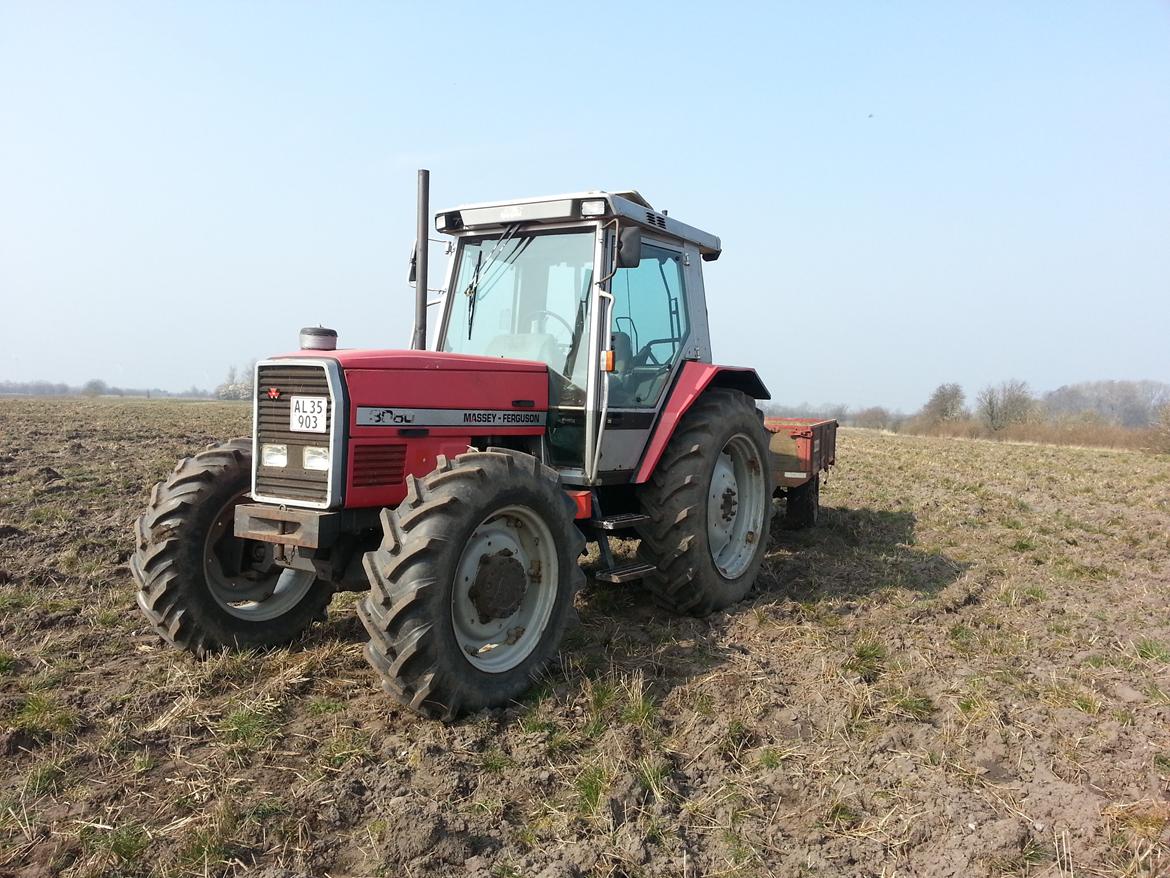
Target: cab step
(630, 572)
(619, 522)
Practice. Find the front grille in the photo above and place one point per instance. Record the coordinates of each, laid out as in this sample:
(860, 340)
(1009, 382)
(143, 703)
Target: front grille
(291, 482)
(376, 465)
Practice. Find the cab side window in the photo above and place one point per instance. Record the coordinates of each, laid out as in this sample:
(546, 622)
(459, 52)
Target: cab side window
(649, 326)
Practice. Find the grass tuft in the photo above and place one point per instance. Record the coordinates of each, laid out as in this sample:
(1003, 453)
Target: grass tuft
(126, 844)
(48, 777)
(913, 706)
(735, 740)
(652, 775)
(252, 726)
(639, 707)
(590, 785)
(1067, 695)
(842, 816)
(41, 716)
(600, 695)
(495, 762)
(1152, 650)
(324, 706)
(868, 660)
(344, 747)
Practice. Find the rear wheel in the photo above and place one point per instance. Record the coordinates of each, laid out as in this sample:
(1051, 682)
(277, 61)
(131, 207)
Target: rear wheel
(709, 506)
(472, 585)
(201, 587)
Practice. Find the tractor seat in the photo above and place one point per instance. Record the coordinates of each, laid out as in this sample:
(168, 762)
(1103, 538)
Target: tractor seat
(623, 358)
(623, 352)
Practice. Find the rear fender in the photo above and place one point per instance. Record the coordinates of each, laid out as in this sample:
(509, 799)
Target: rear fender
(693, 379)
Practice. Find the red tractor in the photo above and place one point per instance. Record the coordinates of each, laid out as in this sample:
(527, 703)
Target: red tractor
(569, 398)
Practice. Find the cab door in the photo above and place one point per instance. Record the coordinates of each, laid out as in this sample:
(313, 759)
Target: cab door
(650, 333)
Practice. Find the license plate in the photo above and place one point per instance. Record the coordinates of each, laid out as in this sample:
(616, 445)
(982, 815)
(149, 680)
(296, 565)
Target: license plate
(307, 414)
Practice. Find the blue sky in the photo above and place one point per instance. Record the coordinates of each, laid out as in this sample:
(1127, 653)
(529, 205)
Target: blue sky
(907, 193)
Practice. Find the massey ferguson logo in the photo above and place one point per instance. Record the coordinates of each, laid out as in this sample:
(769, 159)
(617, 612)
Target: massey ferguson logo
(379, 416)
(389, 416)
(274, 393)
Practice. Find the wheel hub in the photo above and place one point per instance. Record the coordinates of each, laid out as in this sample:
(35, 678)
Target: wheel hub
(727, 508)
(735, 505)
(499, 587)
(504, 588)
(243, 576)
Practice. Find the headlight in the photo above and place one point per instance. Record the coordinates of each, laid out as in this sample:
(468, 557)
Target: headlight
(274, 455)
(315, 458)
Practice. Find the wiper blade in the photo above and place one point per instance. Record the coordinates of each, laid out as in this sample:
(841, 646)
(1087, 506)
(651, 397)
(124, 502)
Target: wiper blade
(471, 293)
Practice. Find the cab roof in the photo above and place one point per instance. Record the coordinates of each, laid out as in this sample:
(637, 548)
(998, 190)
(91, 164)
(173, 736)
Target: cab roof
(627, 205)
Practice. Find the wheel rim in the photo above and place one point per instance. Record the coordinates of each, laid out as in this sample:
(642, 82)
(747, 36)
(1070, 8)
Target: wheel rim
(506, 584)
(735, 506)
(243, 576)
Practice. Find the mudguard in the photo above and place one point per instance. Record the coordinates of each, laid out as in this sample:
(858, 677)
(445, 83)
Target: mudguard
(692, 380)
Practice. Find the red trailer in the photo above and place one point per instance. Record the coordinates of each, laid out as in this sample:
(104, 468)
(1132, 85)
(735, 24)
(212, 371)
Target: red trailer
(801, 449)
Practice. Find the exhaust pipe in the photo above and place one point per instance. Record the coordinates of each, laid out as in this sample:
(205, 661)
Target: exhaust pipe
(419, 342)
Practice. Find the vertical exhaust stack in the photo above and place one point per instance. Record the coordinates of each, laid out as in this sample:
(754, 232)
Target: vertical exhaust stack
(419, 342)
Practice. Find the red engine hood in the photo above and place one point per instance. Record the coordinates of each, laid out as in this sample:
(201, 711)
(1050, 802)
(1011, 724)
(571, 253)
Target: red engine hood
(411, 360)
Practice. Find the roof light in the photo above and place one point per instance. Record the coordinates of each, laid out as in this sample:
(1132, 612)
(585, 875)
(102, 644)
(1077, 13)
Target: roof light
(448, 222)
(593, 207)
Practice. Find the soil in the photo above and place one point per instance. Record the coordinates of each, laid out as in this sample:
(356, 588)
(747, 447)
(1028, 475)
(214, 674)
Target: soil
(964, 670)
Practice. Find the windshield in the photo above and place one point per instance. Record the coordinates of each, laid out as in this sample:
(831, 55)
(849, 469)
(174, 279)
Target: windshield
(526, 296)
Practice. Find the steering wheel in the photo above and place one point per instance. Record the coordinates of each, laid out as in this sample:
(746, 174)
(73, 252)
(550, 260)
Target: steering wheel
(646, 357)
(557, 317)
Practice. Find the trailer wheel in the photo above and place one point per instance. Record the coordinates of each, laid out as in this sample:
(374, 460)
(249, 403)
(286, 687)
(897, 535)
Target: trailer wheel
(803, 504)
(709, 506)
(202, 588)
(472, 585)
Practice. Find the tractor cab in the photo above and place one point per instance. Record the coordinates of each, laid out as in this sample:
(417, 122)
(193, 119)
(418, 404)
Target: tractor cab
(602, 289)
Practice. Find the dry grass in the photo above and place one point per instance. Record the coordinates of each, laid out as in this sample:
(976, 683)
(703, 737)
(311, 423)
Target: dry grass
(965, 669)
(1077, 433)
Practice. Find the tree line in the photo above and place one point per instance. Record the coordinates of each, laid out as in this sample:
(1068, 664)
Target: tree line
(95, 387)
(1132, 414)
(236, 385)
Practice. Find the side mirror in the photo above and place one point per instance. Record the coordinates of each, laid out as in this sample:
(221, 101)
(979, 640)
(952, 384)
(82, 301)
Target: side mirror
(629, 247)
(413, 259)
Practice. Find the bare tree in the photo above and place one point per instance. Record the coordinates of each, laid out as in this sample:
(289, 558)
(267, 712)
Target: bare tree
(235, 387)
(1125, 403)
(945, 404)
(1162, 430)
(874, 417)
(1018, 403)
(1010, 402)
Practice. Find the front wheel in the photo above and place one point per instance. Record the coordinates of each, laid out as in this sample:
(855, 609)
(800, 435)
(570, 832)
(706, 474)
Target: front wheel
(472, 585)
(200, 586)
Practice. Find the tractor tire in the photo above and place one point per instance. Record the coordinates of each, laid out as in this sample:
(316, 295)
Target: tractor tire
(200, 587)
(455, 622)
(803, 504)
(709, 506)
